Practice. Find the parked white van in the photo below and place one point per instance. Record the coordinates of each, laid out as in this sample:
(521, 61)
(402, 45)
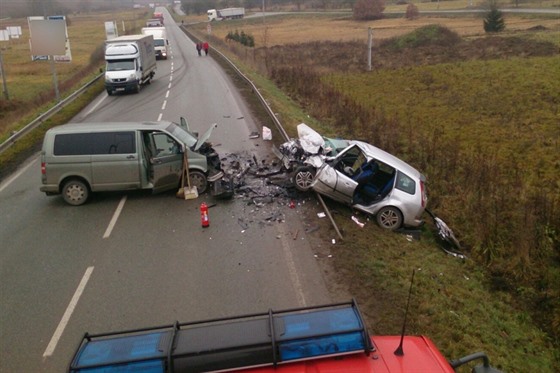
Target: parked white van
(81, 158)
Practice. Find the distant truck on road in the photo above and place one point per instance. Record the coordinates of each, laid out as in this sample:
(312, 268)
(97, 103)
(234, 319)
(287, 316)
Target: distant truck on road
(160, 40)
(227, 13)
(158, 15)
(131, 63)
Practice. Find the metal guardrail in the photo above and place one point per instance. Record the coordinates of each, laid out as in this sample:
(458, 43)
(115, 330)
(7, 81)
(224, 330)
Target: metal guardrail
(46, 115)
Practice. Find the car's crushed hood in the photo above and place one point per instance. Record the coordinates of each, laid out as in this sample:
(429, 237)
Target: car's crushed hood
(310, 147)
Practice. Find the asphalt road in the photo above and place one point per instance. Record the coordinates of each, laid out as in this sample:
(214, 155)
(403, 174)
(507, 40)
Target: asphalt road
(133, 260)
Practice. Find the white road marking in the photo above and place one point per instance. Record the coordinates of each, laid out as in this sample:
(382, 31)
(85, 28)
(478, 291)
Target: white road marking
(167, 94)
(16, 175)
(159, 117)
(97, 104)
(292, 267)
(68, 313)
(115, 217)
(164, 105)
(169, 86)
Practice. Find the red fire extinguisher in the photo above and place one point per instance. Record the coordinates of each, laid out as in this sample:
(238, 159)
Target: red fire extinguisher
(204, 219)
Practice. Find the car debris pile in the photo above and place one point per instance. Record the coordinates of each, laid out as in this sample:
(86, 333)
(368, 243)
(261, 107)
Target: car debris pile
(263, 185)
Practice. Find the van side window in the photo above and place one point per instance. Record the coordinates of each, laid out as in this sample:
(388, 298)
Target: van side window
(72, 144)
(95, 143)
(405, 183)
(113, 143)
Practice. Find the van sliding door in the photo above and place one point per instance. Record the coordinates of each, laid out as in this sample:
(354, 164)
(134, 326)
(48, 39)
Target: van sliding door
(114, 161)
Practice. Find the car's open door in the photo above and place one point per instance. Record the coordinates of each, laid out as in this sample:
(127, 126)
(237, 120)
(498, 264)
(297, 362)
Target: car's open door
(166, 162)
(334, 184)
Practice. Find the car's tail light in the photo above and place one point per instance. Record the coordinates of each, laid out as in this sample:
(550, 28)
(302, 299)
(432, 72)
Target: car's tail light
(43, 168)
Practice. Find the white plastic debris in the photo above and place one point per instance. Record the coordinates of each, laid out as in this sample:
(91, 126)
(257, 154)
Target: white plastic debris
(333, 241)
(321, 215)
(355, 219)
(266, 133)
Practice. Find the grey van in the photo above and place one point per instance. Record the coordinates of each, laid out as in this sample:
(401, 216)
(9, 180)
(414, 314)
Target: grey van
(81, 158)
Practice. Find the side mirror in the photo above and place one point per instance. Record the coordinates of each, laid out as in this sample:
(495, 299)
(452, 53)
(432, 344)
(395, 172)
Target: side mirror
(184, 124)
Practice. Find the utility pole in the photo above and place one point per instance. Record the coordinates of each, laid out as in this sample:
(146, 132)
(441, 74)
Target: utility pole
(4, 85)
(369, 44)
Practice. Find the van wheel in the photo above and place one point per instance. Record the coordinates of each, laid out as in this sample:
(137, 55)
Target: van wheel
(75, 192)
(109, 91)
(137, 88)
(198, 180)
(389, 218)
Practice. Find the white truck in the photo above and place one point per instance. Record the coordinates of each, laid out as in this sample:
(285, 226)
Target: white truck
(160, 40)
(131, 63)
(227, 13)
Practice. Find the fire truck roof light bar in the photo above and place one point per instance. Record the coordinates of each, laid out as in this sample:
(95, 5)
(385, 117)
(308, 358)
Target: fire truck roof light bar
(270, 338)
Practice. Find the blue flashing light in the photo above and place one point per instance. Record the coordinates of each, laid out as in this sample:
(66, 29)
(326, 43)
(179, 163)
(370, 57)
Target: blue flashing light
(112, 352)
(319, 333)
(151, 366)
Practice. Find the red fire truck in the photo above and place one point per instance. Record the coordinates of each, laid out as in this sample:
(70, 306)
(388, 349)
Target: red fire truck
(330, 338)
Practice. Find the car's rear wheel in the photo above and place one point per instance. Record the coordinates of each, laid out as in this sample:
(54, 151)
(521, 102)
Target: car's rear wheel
(198, 180)
(75, 192)
(303, 177)
(389, 218)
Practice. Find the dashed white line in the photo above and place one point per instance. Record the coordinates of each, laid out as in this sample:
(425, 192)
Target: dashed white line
(115, 217)
(68, 313)
(169, 86)
(159, 117)
(167, 94)
(164, 105)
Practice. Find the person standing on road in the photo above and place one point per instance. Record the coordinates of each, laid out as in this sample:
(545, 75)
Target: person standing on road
(199, 48)
(205, 46)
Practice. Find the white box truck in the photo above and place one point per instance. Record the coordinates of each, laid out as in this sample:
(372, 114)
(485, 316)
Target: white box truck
(160, 40)
(131, 63)
(227, 13)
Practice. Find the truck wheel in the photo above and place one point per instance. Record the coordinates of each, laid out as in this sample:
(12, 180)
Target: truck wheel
(109, 91)
(75, 192)
(199, 180)
(389, 218)
(303, 177)
(137, 88)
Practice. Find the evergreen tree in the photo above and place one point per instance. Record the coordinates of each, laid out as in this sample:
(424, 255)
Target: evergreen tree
(494, 21)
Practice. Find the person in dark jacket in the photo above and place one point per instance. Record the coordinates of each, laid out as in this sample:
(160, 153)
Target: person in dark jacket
(199, 48)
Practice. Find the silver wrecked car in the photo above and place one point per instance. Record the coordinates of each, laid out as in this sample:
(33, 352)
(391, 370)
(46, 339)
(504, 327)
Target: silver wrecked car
(364, 177)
